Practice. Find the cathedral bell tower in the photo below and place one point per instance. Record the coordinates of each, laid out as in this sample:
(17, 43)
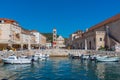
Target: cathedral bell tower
(54, 37)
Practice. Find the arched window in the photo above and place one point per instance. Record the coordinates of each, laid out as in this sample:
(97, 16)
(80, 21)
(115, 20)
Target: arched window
(100, 39)
(1, 21)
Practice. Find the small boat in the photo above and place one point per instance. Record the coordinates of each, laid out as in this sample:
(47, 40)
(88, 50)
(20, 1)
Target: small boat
(93, 57)
(14, 60)
(107, 59)
(37, 56)
(71, 56)
(85, 57)
(45, 55)
(40, 56)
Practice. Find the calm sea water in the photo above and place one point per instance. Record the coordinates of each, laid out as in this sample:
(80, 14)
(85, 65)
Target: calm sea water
(62, 69)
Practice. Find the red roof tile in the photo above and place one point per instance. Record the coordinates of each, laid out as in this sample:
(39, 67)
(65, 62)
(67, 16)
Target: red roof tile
(112, 19)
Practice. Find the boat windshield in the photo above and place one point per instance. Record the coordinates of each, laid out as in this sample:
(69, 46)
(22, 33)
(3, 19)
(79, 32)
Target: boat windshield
(23, 57)
(11, 58)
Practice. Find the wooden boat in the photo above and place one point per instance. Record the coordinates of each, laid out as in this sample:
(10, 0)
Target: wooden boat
(14, 60)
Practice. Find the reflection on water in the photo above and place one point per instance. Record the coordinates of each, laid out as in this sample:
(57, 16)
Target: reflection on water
(108, 70)
(9, 71)
(63, 69)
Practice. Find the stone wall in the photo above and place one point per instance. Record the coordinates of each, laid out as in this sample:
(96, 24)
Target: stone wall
(100, 39)
(109, 32)
(113, 30)
(57, 52)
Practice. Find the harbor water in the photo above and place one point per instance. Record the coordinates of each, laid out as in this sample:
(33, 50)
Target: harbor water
(61, 69)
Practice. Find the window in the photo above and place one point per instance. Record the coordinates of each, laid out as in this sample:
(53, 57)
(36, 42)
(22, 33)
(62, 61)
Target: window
(1, 21)
(54, 35)
(17, 35)
(11, 58)
(54, 39)
(54, 31)
(100, 39)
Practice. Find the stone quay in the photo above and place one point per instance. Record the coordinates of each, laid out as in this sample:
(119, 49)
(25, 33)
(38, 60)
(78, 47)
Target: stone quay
(56, 52)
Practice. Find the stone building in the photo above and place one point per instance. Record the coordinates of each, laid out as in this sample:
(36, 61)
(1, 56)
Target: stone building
(60, 42)
(105, 34)
(72, 41)
(54, 38)
(48, 45)
(10, 32)
(25, 39)
(42, 40)
(36, 43)
(12, 35)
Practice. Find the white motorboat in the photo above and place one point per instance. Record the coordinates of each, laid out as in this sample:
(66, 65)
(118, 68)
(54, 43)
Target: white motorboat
(15, 60)
(45, 55)
(107, 59)
(37, 56)
(40, 56)
(94, 57)
(85, 57)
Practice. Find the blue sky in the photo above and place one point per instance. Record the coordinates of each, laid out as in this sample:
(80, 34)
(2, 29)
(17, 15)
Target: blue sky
(66, 16)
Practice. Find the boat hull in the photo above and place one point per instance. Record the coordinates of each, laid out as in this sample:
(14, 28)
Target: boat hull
(108, 59)
(6, 61)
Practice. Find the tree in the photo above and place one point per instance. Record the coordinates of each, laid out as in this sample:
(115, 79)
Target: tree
(49, 36)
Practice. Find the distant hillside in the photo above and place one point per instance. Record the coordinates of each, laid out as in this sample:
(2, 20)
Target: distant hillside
(49, 36)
